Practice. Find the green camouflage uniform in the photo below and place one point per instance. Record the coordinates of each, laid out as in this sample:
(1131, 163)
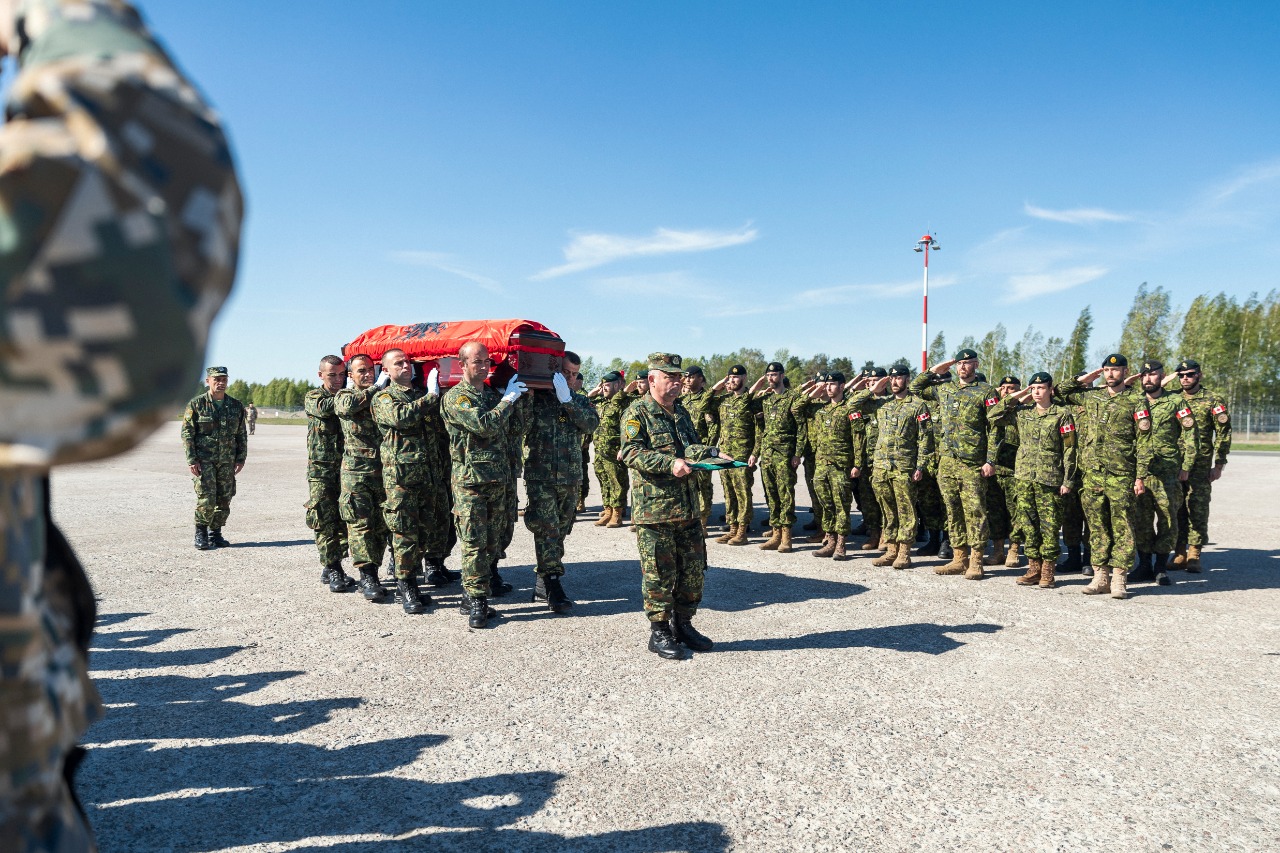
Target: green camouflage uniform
(1173, 448)
(779, 443)
(610, 471)
(1001, 490)
(664, 507)
(479, 427)
(411, 476)
(832, 441)
(553, 473)
(928, 496)
(699, 406)
(121, 230)
(518, 426)
(806, 448)
(1213, 434)
(740, 439)
(1109, 458)
(1073, 526)
(961, 411)
(216, 437)
(361, 493)
(324, 475)
(864, 438)
(904, 442)
(584, 488)
(1044, 463)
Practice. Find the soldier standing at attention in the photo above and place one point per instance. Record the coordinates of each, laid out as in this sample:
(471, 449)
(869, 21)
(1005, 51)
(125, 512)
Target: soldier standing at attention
(216, 442)
(1001, 493)
(361, 493)
(658, 442)
(1109, 455)
(968, 458)
(478, 420)
(553, 474)
(610, 471)
(1044, 471)
(251, 415)
(697, 401)
(739, 439)
(1213, 432)
(409, 469)
(832, 441)
(1172, 437)
(324, 474)
(575, 385)
(778, 458)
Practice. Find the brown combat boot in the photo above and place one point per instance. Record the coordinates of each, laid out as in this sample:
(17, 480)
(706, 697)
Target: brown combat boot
(1120, 578)
(1012, 559)
(615, 517)
(784, 544)
(774, 540)
(1047, 580)
(873, 541)
(828, 547)
(582, 506)
(1193, 559)
(1032, 577)
(605, 514)
(839, 553)
(903, 560)
(724, 538)
(739, 535)
(1179, 558)
(959, 562)
(997, 554)
(974, 572)
(817, 536)
(1101, 581)
(886, 559)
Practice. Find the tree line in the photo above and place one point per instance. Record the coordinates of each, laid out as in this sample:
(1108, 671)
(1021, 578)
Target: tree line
(276, 394)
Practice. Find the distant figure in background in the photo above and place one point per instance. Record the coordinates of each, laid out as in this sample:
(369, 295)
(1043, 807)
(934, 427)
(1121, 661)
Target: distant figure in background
(251, 416)
(215, 439)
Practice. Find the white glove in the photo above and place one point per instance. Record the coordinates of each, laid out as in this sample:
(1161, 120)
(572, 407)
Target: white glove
(433, 382)
(562, 388)
(514, 389)
(383, 379)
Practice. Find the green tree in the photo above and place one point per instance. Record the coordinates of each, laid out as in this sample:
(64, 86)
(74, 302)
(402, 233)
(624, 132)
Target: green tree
(1077, 349)
(1148, 329)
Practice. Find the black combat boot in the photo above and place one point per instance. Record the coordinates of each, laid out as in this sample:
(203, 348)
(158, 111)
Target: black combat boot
(1161, 568)
(216, 540)
(408, 596)
(1072, 563)
(932, 544)
(478, 612)
(690, 636)
(497, 586)
(662, 643)
(436, 575)
(1142, 572)
(202, 538)
(548, 589)
(370, 587)
(340, 581)
(945, 551)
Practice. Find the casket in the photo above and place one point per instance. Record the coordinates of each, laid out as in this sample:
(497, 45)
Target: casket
(516, 347)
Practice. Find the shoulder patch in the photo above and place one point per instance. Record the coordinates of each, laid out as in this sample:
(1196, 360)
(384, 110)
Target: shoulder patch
(922, 417)
(855, 416)
(631, 428)
(1066, 428)
(1220, 412)
(991, 401)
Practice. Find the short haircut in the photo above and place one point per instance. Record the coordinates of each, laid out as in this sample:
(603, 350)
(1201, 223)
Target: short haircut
(386, 355)
(357, 357)
(334, 360)
(471, 346)
(572, 357)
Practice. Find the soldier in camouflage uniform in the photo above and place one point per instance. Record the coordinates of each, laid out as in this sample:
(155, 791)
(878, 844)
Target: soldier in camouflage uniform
(904, 444)
(1110, 455)
(1074, 530)
(478, 420)
(697, 401)
(610, 471)
(736, 419)
(410, 470)
(828, 411)
(116, 273)
(658, 444)
(1002, 496)
(1213, 432)
(968, 457)
(1044, 471)
(864, 446)
(361, 493)
(584, 489)
(929, 507)
(251, 417)
(518, 426)
(779, 455)
(324, 473)
(552, 475)
(1171, 457)
(215, 440)
(807, 449)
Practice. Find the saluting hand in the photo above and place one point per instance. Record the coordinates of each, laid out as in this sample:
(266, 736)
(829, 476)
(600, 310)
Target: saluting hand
(942, 366)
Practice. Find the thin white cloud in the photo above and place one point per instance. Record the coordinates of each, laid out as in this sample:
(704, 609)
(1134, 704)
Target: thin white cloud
(446, 263)
(1260, 174)
(586, 251)
(1031, 285)
(846, 294)
(1077, 216)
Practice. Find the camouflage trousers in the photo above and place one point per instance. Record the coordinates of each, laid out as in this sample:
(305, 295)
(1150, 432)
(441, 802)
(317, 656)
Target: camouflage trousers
(897, 505)
(705, 495)
(1073, 527)
(1001, 506)
(737, 484)
(1193, 517)
(1108, 503)
(835, 494)
(929, 503)
(585, 488)
(549, 516)
(1155, 511)
(868, 503)
(324, 519)
(481, 513)
(810, 464)
(360, 507)
(964, 494)
(779, 489)
(215, 487)
(415, 513)
(509, 519)
(613, 478)
(1038, 516)
(673, 560)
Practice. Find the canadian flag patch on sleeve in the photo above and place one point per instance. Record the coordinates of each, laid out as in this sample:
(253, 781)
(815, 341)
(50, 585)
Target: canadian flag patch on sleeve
(991, 401)
(1184, 413)
(1066, 428)
(922, 417)
(1142, 415)
(1219, 409)
(855, 416)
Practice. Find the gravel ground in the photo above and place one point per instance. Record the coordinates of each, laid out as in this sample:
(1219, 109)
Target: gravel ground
(845, 707)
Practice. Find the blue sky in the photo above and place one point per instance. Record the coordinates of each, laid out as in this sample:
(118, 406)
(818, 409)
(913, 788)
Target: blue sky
(696, 177)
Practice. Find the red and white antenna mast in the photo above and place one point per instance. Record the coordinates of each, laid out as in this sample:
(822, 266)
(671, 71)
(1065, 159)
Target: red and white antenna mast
(924, 244)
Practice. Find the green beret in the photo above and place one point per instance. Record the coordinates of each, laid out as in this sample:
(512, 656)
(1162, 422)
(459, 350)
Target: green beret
(1011, 380)
(1188, 365)
(694, 370)
(1041, 378)
(737, 370)
(1115, 360)
(966, 354)
(899, 370)
(877, 372)
(835, 376)
(1151, 365)
(613, 376)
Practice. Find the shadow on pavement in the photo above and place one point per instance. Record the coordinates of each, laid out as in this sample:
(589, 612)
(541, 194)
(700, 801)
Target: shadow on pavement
(913, 637)
(284, 543)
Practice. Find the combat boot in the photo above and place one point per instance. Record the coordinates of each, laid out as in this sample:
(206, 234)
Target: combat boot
(606, 515)
(1012, 559)
(739, 535)
(1101, 582)
(784, 544)
(497, 586)
(974, 572)
(1086, 559)
(478, 612)
(1071, 564)
(1179, 555)
(1119, 583)
(663, 643)
(723, 538)
(1162, 569)
(340, 581)
(615, 521)
(998, 553)
(903, 560)
(887, 558)
(325, 574)
(932, 544)
(1143, 572)
(818, 537)
(945, 549)
(407, 595)
(437, 575)
(775, 539)
(690, 636)
(828, 547)
(370, 588)
(202, 541)
(548, 589)
(1047, 581)
(839, 553)
(1032, 577)
(216, 540)
(582, 506)
(1193, 559)
(959, 562)
(873, 541)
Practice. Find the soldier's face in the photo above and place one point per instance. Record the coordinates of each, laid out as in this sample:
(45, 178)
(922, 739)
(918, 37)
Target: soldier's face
(897, 384)
(1042, 393)
(1189, 379)
(399, 368)
(475, 365)
(217, 386)
(611, 388)
(1152, 380)
(832, 390)
(1006, 390)
(664, 387)
(965, 369)
(362, 373)
(333, 377)
(1114, 376)
(774, 377)
(575, 381)
(570, 371)
(735, 383)
(694, 383)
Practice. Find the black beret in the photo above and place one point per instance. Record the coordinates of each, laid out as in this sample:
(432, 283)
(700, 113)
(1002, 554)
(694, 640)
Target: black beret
(775, 367)
(1115, 360)
(1151, 365)
(694, 371)
(966, 354)
(1188, 364)
(899, 370)
(737, 370)
(1041, 378)
(1011, 380)
(877, 372)
(835, 376)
